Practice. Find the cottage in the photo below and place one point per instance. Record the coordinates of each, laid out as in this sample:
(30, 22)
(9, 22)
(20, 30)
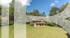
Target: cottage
(39, 22)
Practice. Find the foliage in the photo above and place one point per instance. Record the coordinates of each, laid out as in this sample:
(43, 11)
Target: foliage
(11, 13)
(0, 15)
(43, 14)
(0, 10)
(29, 23)
(53, 24)
(54, 10)
(68, 18)
(0, 20)
(63, 7)
(68, 35)
(35, 12)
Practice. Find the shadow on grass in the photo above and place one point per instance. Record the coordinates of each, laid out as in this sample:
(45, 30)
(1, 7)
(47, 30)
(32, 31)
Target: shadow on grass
(68, 35)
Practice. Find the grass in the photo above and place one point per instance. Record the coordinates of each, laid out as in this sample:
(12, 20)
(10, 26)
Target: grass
(40, 32)
(0, 32)
(45, 32)
(11, 31)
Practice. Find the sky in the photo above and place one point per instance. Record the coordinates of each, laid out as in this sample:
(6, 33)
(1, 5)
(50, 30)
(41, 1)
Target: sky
(41, 5)
(45, 5)
(7, 2)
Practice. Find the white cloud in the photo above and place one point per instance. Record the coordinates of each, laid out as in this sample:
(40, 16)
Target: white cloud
(5, 2)
(56, 1)
(52, 4)
(24, 2)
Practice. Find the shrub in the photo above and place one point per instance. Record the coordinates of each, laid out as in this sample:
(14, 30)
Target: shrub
(53, 24)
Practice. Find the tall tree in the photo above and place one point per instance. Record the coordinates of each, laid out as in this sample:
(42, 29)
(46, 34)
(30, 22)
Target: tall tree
(63, 7)
(43, 14)
(11, 13)
(36, 12)
(54, 10)
(0, 16)
(0, 10)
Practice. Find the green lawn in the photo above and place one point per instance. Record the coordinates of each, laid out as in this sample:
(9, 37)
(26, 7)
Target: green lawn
(41, 32)
(11, 31)
(45, 32)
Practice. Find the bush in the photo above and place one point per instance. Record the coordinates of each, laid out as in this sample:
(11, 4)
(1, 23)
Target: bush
(53, 24)
(29, 23)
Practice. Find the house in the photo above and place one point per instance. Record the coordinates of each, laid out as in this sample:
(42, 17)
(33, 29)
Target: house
(39, 22)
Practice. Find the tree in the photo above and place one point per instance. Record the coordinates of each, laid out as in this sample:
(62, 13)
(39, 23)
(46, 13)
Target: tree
(63, 7)
(54, 10)
(35, 12)
(0, 15)
(11, 13)
(43, 14)
(0, 10)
